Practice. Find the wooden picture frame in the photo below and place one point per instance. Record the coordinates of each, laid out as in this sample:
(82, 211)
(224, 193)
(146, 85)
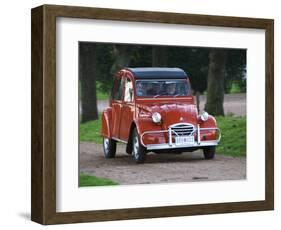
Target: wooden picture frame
(43, 206)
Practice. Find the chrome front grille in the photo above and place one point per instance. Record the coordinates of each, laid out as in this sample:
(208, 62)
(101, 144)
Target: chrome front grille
(182, 129)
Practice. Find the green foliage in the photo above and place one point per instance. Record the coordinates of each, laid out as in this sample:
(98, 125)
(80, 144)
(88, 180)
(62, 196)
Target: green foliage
(104, 62)
(142, 56)
(233, 140)
(87, 180)
(90, 131)
(235, 70)
(193, 60)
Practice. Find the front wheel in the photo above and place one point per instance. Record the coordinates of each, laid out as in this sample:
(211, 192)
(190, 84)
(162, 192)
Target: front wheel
(138, 150)
(109, 147)
(209, 152)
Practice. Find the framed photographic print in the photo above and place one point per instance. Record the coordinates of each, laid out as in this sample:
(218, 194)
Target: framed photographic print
(139, 114)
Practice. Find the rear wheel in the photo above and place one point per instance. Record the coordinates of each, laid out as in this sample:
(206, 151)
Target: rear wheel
(138, 150)
(109, 147)
(209, 152)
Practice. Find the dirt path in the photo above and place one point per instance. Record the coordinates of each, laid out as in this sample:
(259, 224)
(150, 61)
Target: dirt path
(162, 168)
(233, 104)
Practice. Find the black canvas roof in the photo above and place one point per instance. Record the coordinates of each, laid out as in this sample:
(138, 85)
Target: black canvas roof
(158, 72)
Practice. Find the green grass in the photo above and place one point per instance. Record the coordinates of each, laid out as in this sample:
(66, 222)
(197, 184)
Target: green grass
(87, 180)
(233, 129)
(235, 88)
(101, 94)
(233, 140)
(90, 131)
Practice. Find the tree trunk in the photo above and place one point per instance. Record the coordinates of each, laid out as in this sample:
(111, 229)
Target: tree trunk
(87, 77)
(215, 88)
(159, 56)
(122, 56)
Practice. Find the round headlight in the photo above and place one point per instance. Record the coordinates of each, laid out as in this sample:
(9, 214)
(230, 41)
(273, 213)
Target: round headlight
(204, 116)
(156, 117)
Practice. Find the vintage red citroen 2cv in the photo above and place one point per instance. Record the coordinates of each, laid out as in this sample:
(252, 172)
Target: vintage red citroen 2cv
(153, 110)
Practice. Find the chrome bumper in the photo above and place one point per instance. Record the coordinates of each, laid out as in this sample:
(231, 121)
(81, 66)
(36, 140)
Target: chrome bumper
(172, 145)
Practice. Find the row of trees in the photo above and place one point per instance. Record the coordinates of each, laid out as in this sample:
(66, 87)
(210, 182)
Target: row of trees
(212, 70)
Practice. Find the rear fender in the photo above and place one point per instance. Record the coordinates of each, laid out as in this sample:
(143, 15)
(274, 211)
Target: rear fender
(106, 123)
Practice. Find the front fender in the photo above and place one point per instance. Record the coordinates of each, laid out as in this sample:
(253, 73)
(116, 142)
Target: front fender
(106, 123)
(210, 123)
(146, 124)
(209, 134)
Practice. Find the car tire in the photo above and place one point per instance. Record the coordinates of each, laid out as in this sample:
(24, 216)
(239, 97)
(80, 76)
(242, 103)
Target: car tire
(209, 152)
(129, 146)
(138, 150)
(109, 147)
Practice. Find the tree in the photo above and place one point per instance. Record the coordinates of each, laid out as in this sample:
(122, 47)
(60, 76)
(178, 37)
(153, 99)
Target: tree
(197, 59)
(113, 57)
(105, 60)
(141, 56)
(194, 61)
(159, 56)
(122, 57)
(87, 77)
(215, 88)
(235, 70)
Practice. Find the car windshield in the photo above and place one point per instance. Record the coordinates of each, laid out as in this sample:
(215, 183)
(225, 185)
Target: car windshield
(158, 88)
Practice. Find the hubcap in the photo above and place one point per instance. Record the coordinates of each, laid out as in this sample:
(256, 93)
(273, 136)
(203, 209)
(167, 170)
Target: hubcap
(106, 144)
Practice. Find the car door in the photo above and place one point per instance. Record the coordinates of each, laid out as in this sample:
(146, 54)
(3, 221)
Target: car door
(128, 109)
(117, 103)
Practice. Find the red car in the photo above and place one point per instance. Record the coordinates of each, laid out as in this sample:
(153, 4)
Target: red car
(153, 110)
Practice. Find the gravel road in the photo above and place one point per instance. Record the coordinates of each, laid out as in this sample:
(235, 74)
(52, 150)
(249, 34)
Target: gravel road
(159, 168)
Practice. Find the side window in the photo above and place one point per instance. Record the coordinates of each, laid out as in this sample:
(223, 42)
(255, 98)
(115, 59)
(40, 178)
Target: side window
(117, 90)
(128, 97)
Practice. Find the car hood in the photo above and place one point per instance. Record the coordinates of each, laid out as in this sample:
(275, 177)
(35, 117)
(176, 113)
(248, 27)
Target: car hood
(172, 113)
